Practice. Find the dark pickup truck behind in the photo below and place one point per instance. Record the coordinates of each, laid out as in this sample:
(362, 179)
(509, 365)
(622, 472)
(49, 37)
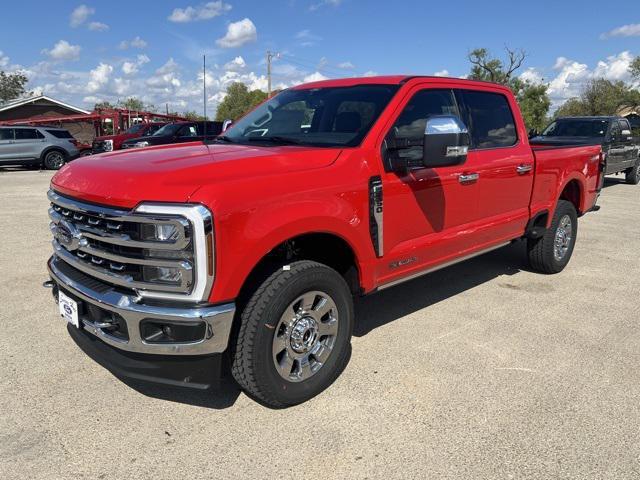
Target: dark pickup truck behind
(621, 150)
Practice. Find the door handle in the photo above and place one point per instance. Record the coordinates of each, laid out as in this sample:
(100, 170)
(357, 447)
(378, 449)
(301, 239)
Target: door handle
(468, 177)
(524, 168)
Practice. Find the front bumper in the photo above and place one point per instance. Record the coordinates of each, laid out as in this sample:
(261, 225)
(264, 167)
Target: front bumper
(109, 301)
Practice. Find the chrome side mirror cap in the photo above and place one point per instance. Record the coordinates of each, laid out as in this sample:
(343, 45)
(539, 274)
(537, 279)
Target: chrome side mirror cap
(446, 141)
(226, 124)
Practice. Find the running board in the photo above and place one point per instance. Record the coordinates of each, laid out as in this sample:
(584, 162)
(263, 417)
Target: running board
(440, 267)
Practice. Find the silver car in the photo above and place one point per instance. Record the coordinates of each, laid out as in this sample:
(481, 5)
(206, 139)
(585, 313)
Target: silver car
(45, 147)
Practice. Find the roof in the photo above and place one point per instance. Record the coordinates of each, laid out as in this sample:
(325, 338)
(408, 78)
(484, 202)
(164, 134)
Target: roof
(393, 80)
(25, 101)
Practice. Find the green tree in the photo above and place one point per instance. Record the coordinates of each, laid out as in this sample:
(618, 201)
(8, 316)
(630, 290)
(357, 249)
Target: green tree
(133, 103)
(600, 97)
(104, 105)
(634, 68)
(192, 115)
(533, 98)
(238, 101)
(12, 85)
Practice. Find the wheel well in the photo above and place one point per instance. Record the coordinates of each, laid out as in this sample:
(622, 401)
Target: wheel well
(572, 193)
(52, 149)
(324, 248)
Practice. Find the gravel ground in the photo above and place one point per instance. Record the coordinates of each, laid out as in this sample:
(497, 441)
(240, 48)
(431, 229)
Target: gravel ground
(482, 370)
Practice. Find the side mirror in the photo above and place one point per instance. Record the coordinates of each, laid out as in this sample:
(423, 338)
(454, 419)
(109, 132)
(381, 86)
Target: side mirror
(446, 142)
(226, 124)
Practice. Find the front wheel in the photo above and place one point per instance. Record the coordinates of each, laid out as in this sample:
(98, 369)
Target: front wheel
(294, 336)
(552, 252)
(54, 160)
(633, 174)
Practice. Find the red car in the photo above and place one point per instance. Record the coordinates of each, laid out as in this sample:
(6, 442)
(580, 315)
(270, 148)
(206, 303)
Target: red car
(252, 246)
(108, 143)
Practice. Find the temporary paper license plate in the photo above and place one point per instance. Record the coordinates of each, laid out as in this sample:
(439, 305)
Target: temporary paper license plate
(68, 309)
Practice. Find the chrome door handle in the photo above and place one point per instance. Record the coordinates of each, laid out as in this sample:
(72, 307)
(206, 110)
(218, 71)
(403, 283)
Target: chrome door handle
(468, 177)
(522, 169)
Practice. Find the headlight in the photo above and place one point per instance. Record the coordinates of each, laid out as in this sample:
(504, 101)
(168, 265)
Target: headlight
(141, 144)
(160, 232)
(108, 145)
(168, 275)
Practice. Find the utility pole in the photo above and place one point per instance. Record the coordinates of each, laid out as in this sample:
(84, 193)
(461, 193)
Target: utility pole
(270, 57)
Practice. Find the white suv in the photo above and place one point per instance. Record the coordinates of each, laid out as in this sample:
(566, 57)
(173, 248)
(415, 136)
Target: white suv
(47, 147)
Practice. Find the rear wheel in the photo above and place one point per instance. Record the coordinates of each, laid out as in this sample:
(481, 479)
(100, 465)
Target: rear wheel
(633, 174)
(54, 160)
(551, 252)
(294, 336)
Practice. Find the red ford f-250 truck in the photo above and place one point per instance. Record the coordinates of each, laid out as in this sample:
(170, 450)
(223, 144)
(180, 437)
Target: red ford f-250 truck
(251, 247)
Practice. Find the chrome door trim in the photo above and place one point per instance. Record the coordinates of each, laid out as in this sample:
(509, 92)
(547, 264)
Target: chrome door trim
(441, 266)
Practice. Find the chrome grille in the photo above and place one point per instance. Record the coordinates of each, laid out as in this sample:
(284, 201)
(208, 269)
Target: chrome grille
(113, 246)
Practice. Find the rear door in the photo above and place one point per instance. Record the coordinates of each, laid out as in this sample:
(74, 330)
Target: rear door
(504, 163)
(28, 142)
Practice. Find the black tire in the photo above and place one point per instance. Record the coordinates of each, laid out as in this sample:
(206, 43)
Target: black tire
(542, 251)
(54, 160)
(253, 362)
(633, 174)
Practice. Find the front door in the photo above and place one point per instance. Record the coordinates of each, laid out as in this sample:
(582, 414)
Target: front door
(428, 212)
(28, 143)
(7, 144)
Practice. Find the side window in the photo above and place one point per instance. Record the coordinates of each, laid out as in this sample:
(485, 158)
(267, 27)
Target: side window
(491, 122)
(152, 129)
(188, 131)
(624, 125)
(6, 133)
(616, 131)
(412, 121)
(28, 134)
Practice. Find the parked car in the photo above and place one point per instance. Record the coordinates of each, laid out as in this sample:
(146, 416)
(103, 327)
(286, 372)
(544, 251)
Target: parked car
(251, 246)
(179, 132)
(621, 150)
(47, 147)
(109, 143)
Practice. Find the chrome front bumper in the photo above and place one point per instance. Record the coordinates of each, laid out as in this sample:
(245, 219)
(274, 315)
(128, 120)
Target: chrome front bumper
(218, 318)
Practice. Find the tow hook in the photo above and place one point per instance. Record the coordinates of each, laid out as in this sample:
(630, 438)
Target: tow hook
(48, 284)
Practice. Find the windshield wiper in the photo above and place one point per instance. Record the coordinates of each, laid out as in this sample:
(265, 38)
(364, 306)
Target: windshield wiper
(223, 139)
(276, 139)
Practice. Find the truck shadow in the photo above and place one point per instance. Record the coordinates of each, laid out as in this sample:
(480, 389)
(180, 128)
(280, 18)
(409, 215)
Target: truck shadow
(373, 311)
(611, 181)
(377, 310)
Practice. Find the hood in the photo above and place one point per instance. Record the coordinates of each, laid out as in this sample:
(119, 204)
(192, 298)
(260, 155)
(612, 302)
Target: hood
(540, 140)
(172, 173)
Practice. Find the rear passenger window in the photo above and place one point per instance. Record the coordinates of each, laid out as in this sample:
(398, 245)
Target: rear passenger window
(6, 134)
(491, 122)
(60, 133)
(28, 134)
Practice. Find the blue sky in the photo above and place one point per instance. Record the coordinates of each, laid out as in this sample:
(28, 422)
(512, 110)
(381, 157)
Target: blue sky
(83, 52)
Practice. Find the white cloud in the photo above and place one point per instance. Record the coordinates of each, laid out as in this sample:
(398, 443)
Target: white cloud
(370, 73)
(132, 67)
(98, 27)
(206, 11)
(571, 75)
(441, 73)
(137, 42)
(238, 34)
(80, 15)
(531, 75)
(99, 77)
(63, 50)
(306, 38)
(236, 64)
(346, 66)
(314, 77)
(631, 30)
(323, 3)
(4, 60)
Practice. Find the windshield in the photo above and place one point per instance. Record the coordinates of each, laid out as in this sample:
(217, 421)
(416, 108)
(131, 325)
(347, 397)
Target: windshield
(169, 129)
(337, 116)
(135, 128)
(577, 128)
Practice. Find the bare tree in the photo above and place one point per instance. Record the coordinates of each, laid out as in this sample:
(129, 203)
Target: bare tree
(485, 67)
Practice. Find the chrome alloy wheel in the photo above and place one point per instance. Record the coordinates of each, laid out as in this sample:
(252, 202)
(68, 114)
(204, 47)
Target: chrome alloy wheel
(55, 160)
(564, 235)
(305, 336)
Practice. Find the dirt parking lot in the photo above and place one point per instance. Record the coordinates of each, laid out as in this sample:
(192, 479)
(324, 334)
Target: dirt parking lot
(482, 370)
